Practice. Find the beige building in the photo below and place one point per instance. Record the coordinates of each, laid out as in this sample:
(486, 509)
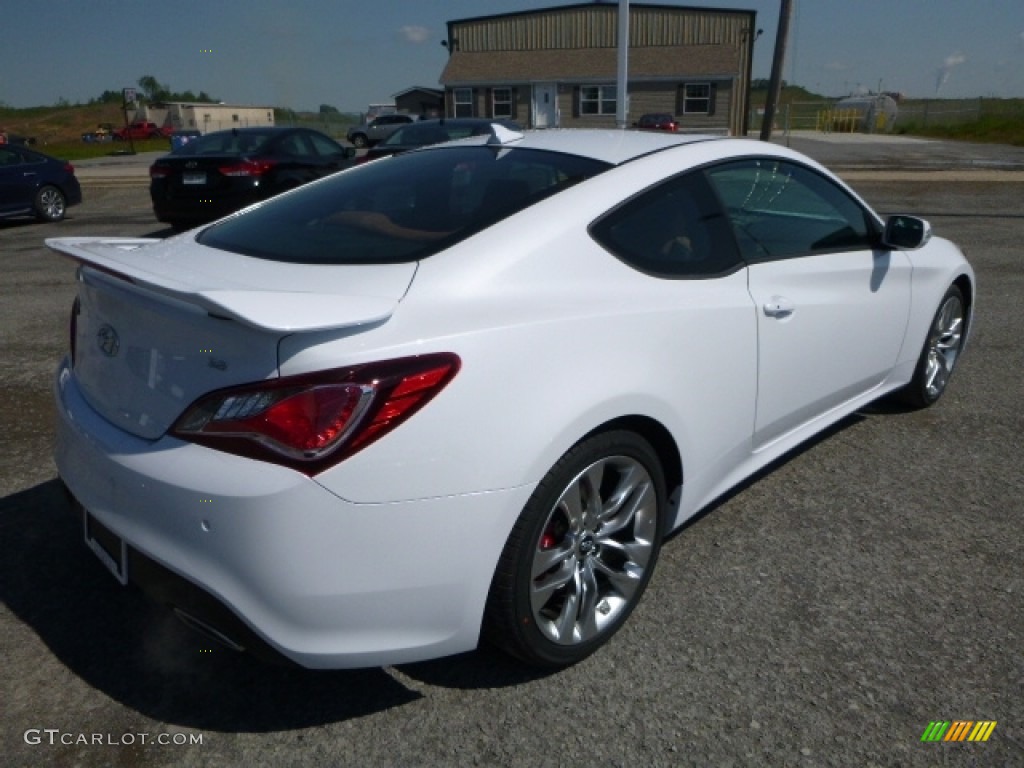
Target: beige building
(558, 66)
(206, 117)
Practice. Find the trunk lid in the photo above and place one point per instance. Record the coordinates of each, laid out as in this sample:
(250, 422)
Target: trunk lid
(161, 323)
(197, 176)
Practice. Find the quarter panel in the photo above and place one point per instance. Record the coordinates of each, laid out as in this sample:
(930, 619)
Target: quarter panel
(551, 351)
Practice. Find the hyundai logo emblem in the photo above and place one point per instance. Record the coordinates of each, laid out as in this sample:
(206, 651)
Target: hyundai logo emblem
(108, 341)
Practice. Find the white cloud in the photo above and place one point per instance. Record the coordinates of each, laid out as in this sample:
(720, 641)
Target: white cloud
(414, 34)
(956, 58)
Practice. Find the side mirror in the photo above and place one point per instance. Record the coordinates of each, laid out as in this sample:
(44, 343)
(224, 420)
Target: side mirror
(348, 153)
(906, 233)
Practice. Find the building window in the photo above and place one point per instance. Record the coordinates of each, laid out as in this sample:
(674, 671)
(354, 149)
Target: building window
(697, 99)
(501, 102)
(234, 118)
(463, 102)
(597, 100)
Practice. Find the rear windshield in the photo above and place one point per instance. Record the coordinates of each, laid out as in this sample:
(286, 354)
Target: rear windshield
(226, 143)
(399, 209)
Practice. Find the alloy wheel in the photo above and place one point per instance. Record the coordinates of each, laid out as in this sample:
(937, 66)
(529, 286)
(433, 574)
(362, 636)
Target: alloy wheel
(595, 547)
(51, 204)
(944, 344)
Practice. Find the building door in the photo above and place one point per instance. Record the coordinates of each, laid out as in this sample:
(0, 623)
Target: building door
(545, 105)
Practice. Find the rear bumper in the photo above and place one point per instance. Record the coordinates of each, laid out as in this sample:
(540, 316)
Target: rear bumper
(268, 556)
(171, 206)
(196, 607)
(72, 192)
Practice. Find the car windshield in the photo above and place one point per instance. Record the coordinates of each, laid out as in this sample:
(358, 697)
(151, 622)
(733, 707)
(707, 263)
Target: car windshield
(399, 209)
(227, 143)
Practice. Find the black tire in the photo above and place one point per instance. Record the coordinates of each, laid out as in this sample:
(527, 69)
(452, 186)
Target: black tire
(940, 353)
(50, 204)
(360, 141)
(581, 553)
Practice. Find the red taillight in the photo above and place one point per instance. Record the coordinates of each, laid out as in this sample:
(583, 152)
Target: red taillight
(247, 168)
(69, 168)
(300, 423)
(159, 171)
(313, 421)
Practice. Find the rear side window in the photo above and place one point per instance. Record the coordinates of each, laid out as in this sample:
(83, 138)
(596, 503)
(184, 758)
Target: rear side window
(295, 145)
(226, 143)
(675, 230)
(399, 209)
(418, 135)
(323, 146)
(9, 157)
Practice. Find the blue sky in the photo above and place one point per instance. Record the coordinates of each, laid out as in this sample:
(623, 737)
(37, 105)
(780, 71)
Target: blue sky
(303, 53)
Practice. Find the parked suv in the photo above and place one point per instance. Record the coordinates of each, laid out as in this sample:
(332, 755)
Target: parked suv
(368, 134)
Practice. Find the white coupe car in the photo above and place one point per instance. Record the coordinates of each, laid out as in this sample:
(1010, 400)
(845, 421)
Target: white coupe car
(465, 392)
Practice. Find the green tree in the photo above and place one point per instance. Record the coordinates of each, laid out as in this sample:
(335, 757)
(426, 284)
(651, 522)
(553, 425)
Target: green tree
(108, 97)
(153, 89)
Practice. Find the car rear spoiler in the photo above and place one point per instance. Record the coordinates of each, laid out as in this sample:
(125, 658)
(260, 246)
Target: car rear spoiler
(264, 309)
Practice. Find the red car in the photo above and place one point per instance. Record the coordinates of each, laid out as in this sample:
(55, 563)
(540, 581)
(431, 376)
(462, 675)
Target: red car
(660, 121)
(141, 129)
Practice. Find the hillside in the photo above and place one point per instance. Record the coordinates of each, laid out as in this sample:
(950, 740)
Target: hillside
(50, 125)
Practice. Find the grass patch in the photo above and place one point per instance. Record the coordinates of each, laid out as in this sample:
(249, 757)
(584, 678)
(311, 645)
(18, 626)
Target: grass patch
(992, 129)
(80, 150)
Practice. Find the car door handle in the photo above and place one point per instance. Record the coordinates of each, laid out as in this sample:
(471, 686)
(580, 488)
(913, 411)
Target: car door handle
(778, 306)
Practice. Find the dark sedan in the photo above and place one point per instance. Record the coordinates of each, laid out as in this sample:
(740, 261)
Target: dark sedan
(427, 132)
(222, 172)
(657, 121)
(34, 184)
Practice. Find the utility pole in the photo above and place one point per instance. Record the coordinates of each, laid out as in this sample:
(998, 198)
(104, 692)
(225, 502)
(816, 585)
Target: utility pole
(775, 85)
(621, 87)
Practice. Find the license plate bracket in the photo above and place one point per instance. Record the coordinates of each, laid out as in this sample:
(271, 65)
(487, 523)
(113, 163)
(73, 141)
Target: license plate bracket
(107, 546)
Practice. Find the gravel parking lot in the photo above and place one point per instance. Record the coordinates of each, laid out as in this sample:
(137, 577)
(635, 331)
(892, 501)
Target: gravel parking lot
(822, 615)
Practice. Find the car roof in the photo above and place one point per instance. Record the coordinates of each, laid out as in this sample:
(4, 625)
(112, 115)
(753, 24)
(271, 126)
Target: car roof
(261, 129)
(30, 152)
(611, 145)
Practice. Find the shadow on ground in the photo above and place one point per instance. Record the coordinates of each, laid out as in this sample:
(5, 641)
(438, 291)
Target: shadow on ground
(138, 654)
